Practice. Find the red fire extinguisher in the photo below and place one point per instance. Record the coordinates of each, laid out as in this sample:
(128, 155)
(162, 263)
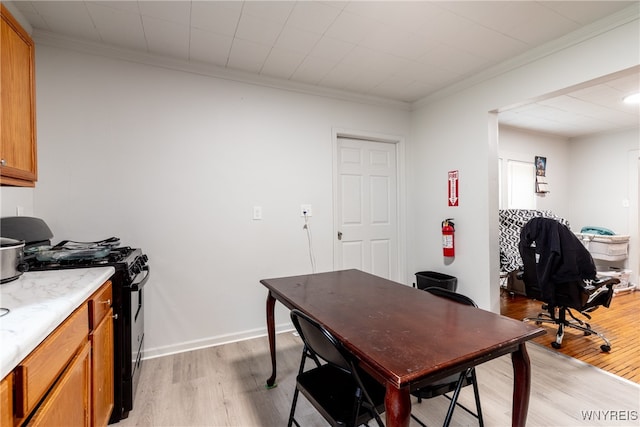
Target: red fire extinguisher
(448, 243)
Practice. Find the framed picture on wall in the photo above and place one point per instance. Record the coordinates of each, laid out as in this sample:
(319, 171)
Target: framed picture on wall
(541, 166)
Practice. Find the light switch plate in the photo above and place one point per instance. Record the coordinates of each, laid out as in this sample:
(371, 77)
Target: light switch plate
(257, 212)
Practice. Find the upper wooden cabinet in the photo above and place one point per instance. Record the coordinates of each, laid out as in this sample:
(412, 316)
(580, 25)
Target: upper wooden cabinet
(18, 125)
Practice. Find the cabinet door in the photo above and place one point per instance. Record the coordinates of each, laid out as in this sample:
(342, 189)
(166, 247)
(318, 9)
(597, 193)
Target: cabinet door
(68, 402)
(17, 131)
(6, 401)
(102, 361)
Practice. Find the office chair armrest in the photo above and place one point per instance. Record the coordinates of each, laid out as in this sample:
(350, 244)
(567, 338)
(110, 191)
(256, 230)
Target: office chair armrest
(597, 284)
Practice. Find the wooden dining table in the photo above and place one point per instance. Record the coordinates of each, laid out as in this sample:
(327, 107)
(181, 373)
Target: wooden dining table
(402, 336)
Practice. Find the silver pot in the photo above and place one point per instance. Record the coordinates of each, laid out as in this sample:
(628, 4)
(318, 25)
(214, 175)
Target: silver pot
(11, 259)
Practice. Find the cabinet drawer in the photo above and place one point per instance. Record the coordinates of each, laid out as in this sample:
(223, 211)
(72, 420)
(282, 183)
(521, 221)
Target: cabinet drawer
(100, 304)
(39, 370)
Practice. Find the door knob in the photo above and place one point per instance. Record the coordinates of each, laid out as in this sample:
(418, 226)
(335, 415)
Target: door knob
(339, 235)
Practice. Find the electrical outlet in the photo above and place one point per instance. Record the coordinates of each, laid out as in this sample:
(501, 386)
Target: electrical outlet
(305, 210)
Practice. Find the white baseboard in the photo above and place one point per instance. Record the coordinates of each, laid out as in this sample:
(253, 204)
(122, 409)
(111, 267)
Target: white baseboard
(151, 353)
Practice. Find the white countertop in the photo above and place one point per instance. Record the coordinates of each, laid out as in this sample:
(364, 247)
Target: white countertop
(38, 302)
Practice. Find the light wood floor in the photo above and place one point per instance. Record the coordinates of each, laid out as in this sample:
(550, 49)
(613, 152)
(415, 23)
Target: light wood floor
(620, 323)
(224, 386)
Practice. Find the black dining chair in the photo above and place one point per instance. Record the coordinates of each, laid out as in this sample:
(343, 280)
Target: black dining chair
(340, 391)
(453, 383)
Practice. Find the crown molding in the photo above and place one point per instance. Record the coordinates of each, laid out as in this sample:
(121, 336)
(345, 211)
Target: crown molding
(18, 16)
(622, 17)
(46, 38)
(625, 16)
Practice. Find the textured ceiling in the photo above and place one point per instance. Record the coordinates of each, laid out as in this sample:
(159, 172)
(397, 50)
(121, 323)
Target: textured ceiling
(402, 51)
(594, 108)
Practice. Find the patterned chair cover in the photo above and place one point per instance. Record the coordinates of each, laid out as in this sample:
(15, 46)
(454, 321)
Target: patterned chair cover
(511, 222)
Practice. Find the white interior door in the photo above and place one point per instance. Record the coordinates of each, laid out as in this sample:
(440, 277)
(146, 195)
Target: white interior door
(366, 212)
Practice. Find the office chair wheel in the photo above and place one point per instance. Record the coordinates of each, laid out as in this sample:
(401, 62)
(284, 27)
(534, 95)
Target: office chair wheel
(605, 348)
(586, 334)
(557, 346)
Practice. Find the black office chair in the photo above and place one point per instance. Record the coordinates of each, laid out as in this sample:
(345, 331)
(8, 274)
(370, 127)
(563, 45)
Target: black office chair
(344, 394)
(453, 383)
(559, 271)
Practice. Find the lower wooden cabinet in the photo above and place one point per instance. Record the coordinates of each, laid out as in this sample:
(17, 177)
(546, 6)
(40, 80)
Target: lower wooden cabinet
(38, 372)
(67, 404)
(68, 379)
(102, 368)
(6, 401)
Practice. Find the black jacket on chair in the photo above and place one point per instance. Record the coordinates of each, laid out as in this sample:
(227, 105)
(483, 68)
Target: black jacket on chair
(561, 257)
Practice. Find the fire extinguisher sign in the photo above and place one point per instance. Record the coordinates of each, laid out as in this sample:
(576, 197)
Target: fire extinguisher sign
(454, 197)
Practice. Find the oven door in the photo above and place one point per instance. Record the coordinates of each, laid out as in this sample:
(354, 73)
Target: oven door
(135, 334)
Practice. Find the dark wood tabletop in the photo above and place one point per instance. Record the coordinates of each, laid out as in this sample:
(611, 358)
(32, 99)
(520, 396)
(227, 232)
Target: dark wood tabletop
(403, 336)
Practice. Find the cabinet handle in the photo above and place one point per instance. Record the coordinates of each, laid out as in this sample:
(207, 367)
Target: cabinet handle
(115, 316)
(3, 162)
(108, 302)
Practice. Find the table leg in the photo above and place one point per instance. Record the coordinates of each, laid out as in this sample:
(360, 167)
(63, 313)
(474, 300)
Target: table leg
(397, 404)
(521, 386)
(271, 331)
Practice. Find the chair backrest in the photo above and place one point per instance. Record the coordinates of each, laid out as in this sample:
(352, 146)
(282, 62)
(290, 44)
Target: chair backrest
(557, 264)
(529, 276)
(320, 341)
(454, 296)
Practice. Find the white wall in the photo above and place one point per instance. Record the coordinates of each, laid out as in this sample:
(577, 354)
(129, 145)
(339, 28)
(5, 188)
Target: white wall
(599, 178)
(16, 201)
(174, 162)
(604, 177)
(454, 130)
(523, 146)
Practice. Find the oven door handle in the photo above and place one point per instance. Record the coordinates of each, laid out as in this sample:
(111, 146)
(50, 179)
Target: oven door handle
(136, 285)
